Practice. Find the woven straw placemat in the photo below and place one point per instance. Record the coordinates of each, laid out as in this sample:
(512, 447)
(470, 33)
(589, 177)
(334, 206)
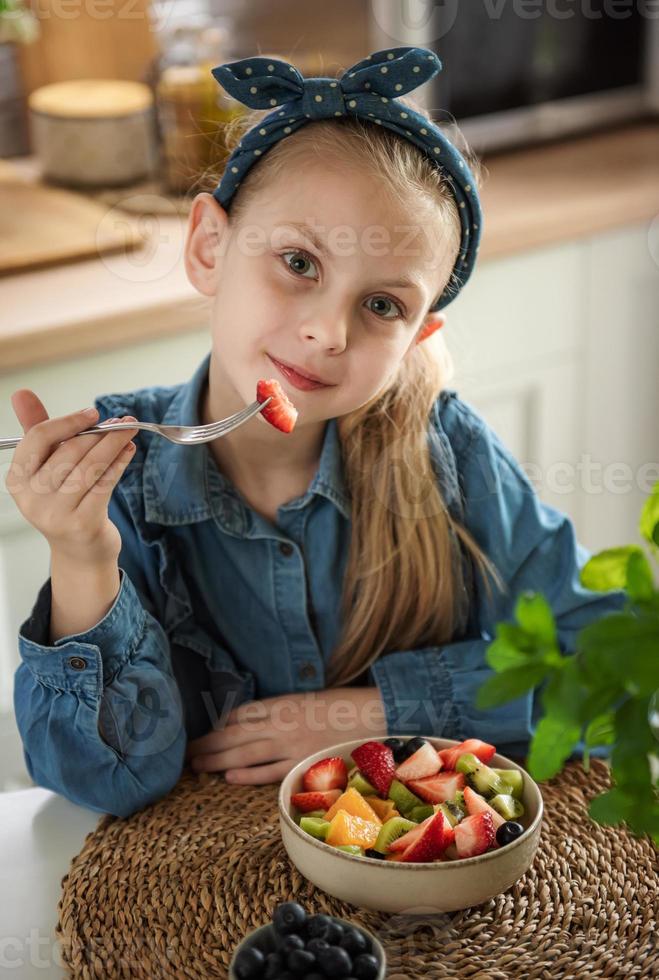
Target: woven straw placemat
(171, 891)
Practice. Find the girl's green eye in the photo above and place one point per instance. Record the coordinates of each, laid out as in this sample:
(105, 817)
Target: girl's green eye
(305, 257)
(398, 311)
(302, 257)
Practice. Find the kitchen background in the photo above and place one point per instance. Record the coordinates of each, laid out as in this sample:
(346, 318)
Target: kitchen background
(108, 112)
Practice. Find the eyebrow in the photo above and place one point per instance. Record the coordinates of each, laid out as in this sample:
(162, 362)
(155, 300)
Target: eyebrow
(403, 282)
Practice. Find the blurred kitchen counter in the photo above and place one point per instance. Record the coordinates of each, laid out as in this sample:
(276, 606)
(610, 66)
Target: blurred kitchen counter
(531, 198)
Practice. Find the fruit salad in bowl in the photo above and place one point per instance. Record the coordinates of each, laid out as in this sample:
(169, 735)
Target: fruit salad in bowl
(397, 823)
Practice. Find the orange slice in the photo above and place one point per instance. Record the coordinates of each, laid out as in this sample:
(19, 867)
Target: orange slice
(354, 803)
(345, 828)
(385, 809)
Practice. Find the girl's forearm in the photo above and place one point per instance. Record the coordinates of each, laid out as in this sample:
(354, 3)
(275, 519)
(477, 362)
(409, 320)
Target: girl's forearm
(81, 595)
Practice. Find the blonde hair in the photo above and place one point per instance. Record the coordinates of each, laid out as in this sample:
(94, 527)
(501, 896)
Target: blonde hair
(405, 583)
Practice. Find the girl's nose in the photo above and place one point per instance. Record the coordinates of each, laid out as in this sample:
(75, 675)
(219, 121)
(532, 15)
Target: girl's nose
(329, 331)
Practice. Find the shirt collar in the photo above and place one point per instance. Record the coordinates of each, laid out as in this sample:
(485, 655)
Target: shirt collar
(183, 484)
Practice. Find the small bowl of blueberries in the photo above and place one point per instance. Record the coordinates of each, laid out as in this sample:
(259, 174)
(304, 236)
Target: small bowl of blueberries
(296, 944)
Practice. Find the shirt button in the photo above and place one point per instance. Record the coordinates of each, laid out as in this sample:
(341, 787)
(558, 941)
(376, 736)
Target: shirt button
(77, 663)
(307, 670)
(286, 548)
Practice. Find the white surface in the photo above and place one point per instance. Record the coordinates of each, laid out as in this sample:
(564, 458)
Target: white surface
(40, 833)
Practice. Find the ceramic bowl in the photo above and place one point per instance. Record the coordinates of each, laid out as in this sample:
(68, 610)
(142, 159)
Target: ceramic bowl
(392, 886)
(264, 938)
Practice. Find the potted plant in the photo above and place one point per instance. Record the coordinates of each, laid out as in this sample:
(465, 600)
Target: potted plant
(18, 25)
(606, 693)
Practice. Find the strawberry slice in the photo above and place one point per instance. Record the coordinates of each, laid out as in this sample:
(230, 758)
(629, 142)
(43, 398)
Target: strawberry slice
(474, 835)
(315, 800)
(475, 803)
(402, 843)
(375, 761)
(439, 788)
(424, 762)
(280, 412)
(329, 773)
(433, 840)
(482, 750)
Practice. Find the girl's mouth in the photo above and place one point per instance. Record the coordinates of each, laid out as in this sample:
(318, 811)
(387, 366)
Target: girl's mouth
(303, 384)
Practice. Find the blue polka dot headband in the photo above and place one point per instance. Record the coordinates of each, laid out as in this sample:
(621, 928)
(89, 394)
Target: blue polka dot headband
(367, 90)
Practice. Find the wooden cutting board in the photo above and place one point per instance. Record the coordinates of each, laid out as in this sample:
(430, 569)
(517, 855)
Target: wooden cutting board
(43, 226)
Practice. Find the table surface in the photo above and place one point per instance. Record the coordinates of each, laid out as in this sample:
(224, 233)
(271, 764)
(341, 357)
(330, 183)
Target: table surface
(40, 833)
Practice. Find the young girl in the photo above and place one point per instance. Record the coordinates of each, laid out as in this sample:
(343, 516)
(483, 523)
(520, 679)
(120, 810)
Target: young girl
(244, 603)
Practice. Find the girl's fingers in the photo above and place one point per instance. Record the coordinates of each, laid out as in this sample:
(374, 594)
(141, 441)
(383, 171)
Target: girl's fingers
(229, 737)
(64, 459)
(43, 438)
(99, 495)
(272, 773)
(91, 467)
(263, 750)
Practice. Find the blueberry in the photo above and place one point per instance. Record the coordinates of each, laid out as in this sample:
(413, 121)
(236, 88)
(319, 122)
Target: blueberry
(413, 745)
(370, 852)
(314, 976)
(274, 964)
(316, 943)
(334, 933)
(395, 744)
(335, 962)
(354, 941)
(289, 917)
(300, 961)
(508, 832)
(249, 963)
(365, 967)
(317, 925)
(288, 943)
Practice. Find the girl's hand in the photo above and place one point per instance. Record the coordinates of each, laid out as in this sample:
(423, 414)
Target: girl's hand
(263, 740)
(61, 484)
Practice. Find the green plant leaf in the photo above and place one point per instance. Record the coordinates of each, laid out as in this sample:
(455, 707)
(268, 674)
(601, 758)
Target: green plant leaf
(601, 730)
(508, 685)
(623, 648)
(611, 807)
(551, 745)
(608, 569)
(649, 522)
(502, 654)
(640, 583)
(535, 616)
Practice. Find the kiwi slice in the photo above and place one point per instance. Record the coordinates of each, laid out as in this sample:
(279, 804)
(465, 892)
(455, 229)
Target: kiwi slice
(452, 813)
(391, 831)
(514, 781)
(350, 848)
(507, 806)
(315, 826)
(483, 779)
(404, 799)
(419, 813)
(309, 813)
(361, 784)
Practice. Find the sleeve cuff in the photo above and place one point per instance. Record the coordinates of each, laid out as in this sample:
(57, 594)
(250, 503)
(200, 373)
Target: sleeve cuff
(417, 693)
(82, 661)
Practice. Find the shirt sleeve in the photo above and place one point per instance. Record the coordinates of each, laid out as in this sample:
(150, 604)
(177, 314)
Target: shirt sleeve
(99, 712)
(534, 547)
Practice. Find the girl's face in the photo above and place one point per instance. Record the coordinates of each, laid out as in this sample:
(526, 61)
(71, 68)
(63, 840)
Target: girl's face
(330, 301)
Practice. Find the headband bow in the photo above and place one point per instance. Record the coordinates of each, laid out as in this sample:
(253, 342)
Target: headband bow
(367, 90)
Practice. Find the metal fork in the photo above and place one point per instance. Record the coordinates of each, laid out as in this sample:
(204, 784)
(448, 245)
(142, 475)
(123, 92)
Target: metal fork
(184, 435)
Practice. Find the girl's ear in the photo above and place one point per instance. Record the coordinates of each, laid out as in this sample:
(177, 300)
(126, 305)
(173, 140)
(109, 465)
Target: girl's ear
(206, 233)
(433, 322)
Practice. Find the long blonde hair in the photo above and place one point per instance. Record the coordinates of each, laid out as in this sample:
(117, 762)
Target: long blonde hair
(405, 584)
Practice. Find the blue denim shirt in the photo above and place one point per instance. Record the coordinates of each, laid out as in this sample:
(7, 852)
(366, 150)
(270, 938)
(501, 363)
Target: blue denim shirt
(218, 606)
